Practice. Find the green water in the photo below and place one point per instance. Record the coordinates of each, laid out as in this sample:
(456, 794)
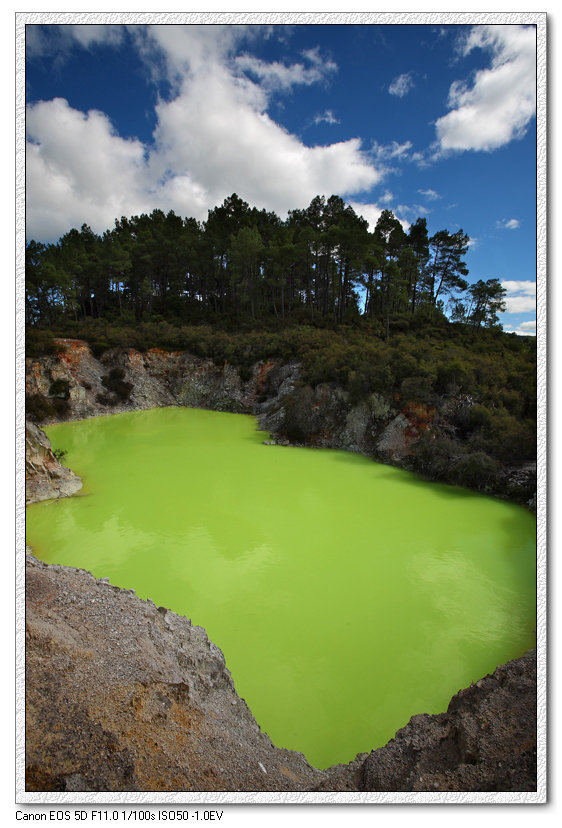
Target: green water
(346, 595)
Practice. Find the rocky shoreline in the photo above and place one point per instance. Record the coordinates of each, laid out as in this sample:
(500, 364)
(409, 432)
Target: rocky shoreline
(73, 384)
(126, 696)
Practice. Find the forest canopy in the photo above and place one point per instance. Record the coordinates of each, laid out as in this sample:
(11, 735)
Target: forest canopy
(320, 266)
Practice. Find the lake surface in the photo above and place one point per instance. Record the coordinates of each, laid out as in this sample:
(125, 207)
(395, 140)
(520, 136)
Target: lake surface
(346, 595)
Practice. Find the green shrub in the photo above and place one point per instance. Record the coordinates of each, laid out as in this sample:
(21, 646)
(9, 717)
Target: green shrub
(60, 388)
(417, 389)
(38, 408)
(99, 347)
(367, 379)
(470, 419)
(39, 343)
(433, 455)
(62, 408)
(507, 438)
(403, 365)
(475, 470)
(478, 417)
(116, 386)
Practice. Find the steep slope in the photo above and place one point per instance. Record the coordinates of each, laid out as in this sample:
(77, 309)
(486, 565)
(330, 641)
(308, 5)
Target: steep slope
(126, 696)
(45, 476)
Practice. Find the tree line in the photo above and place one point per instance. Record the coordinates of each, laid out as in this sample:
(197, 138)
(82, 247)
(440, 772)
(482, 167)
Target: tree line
(245, 264)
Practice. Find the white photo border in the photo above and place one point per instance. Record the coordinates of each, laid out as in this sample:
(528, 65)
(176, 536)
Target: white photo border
(277, 18)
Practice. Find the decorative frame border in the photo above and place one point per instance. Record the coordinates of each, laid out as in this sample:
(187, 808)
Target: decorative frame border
(272, 18)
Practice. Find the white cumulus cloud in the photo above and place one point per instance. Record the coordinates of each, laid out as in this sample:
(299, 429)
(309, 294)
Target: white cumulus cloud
(394, 150)
(528, 328)
(212, 138)
(520, 296)
(89, 35)
(432, 195)
(258, 159)
(327, 117)
(387, 197)
(412, 212)
(78, 170)
(276, 75)
(498, 105)
(508, 224)
(401, 85)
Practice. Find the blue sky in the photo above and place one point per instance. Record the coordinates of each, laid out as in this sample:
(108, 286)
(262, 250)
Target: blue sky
(425, 120)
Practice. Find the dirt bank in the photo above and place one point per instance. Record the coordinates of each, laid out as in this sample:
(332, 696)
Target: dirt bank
(126, 696)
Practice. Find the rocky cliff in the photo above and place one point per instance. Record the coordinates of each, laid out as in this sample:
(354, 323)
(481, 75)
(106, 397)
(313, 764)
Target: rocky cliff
(126, 696)
(45, 476)
(122, 695)
(72, 383)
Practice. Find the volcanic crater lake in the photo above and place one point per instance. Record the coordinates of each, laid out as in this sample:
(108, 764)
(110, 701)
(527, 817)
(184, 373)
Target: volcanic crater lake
(346, 595)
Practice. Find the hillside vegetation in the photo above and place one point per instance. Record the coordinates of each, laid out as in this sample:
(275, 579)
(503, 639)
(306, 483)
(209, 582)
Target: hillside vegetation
(387, 313)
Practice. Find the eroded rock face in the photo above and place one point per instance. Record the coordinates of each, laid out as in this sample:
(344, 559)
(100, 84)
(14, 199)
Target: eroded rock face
(294, 413)
(486, 741)
(45, 477)
(157, 378)
(126, 696)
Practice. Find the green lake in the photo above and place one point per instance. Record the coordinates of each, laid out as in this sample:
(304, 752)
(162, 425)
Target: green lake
(346, 595)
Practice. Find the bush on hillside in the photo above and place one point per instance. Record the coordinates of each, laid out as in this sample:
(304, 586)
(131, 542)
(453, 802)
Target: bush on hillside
(60, 388)
(118, 389)
(38, 408)
(476, 470)
(433, 455)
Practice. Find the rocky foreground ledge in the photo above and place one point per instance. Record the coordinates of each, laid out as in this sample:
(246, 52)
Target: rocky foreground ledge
(126, 696)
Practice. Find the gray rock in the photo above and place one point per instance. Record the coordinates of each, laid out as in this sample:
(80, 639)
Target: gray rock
(46, 478)
(165, 717)
(486, 741)
(394, 441)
